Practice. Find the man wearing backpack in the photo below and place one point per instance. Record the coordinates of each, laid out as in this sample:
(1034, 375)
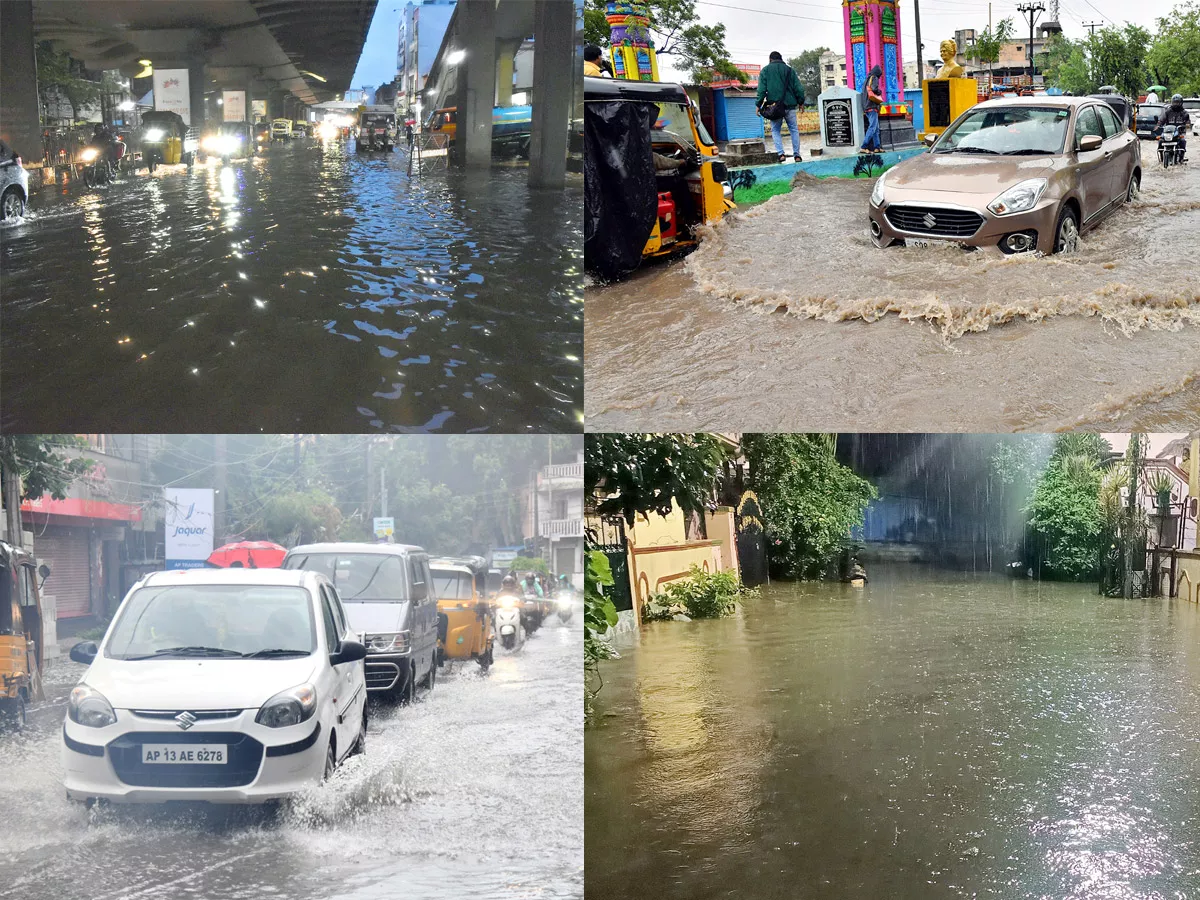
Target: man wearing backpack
(779, 94)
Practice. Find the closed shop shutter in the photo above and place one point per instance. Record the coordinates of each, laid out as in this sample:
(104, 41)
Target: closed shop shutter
(741, 118)
(65, 551)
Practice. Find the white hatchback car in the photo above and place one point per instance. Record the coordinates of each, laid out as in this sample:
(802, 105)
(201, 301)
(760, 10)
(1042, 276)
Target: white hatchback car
(219, 685)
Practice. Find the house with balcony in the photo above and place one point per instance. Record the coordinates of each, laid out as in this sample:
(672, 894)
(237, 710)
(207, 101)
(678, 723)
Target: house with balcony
(556, 506)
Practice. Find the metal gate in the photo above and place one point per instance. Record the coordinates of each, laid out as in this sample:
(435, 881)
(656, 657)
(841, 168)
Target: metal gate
(609, 538)
(751, 540)
(65, 551)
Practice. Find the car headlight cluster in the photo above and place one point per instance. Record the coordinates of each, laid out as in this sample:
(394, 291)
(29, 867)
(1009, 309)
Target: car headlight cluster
(87, 706)
(390, 642)
(877, 191)
(290, 707)
(1020, 197)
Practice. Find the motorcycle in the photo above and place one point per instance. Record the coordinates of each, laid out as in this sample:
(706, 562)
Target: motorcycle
(97, 167)
(508, 621)
(566, 606)
(532, 615)
(1170, 152)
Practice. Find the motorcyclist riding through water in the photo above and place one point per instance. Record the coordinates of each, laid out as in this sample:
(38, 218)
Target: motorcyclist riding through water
(104, 140)
(1176, 114)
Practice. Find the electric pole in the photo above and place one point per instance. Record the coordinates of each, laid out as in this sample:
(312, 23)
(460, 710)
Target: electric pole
(920, 54)
(1031, 11)
(1092, 26)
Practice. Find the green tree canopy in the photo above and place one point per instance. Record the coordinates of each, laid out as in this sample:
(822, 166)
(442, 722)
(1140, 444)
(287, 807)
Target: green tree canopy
(991, 40)
(1174, 55)
(1065, 65)
(632, 474)
(1065, 513)
(42, 466)
(677, 32)
(809, 499)
(56, 78)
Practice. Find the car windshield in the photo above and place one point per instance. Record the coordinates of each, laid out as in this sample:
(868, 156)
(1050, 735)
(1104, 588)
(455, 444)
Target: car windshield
(358, 577)
(1149, 110)
(218, 620)
(1008, 130)
(449, 585)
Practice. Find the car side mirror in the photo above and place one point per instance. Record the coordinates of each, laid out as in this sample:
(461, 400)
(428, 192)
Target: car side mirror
(929, 139)
(349, 651)
(1090, 142)
(44, 572)
(84, 652)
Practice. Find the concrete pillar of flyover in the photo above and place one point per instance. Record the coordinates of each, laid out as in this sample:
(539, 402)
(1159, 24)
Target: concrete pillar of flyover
(20, 122)
(506, 51)
(196, 85)
(553, 91)
(476, 85)
(275, 105)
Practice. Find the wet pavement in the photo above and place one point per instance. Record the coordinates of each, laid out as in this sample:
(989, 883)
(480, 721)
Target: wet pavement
(474, 792)
(787, 317)
(309, 287)
(929, 735)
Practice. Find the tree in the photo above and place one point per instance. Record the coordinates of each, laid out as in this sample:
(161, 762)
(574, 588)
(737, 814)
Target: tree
(56, 79)
(1119, 58)
(808, 69)
(676, 31)
(1065, 512)
(1064, 65)
(1174, 55)
(810, 501)
(636, 474)
(31, 466)
(991, 41)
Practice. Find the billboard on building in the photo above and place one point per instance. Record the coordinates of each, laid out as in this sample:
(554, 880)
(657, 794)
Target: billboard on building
(189, 526)
(234, 105)
(171, 92)
(260, 109)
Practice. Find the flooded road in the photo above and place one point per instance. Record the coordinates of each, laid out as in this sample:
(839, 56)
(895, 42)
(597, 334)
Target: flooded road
(787, 313)
(475, 792)
(929, 735)
(311, 286)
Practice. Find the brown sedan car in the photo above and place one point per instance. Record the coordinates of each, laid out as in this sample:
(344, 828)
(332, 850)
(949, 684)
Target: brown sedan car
(1030, 173)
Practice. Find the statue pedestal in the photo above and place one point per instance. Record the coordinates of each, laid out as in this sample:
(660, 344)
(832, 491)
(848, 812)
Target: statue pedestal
(896, 131)
(839, 110)
(945, 100)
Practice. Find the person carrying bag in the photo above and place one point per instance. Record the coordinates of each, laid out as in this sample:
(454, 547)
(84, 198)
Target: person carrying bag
(779, 94)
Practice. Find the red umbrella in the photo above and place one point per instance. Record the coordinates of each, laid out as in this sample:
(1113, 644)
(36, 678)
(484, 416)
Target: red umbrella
(250, 554)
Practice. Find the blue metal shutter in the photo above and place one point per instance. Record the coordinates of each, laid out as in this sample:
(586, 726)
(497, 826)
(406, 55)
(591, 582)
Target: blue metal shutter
(742, 120)
(719, 112)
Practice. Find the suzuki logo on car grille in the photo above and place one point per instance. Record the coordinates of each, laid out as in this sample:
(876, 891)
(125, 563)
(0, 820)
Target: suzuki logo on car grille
(185, 720)
(929, 220)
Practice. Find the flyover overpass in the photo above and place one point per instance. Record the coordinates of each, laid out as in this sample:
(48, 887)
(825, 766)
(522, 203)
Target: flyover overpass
(473, 72)
(291, 53)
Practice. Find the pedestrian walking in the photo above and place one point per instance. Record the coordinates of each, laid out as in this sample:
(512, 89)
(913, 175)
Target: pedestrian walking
(780, 93)
(594, 63)
(872, 100)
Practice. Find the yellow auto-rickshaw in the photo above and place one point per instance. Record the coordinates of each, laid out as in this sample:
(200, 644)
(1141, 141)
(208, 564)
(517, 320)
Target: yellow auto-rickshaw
(464, 613)
(20, 633)
(671, 166)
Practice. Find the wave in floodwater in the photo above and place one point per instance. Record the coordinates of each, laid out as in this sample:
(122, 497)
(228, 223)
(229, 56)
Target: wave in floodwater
(808, 254)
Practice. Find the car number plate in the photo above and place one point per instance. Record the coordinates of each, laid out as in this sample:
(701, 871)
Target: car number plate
(927, 242)
(174, 754)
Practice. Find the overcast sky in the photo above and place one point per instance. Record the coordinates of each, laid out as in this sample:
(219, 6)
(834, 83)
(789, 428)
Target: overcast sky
(754, 28)
(377, 64)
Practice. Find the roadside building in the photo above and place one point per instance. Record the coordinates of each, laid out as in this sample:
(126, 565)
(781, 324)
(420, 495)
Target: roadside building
(422, 28)
(556, 507)
(833, 70)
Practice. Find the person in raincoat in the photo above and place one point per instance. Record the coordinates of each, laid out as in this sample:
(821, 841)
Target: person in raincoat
(872, 100)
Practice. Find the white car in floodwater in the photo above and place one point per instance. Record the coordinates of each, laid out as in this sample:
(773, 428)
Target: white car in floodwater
(218, 685)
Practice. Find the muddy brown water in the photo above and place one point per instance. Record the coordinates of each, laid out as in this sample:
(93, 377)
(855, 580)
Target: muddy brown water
(308, 287)
(787, 316)
(927, 736)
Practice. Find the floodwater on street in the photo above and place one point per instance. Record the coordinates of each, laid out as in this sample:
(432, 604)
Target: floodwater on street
(475, 792)
(927, 735)
(310, 286)
(787, 316)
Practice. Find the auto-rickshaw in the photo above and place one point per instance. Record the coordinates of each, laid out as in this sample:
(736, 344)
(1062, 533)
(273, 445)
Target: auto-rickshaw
(21, 653)
(464, 613)
(281, 130)
(262, 135)
(512, 128)
(229, 140)
(376, 129)
(666, 179)
(165, 140)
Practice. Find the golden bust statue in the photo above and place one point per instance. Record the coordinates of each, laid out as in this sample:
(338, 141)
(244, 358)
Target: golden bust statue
(950, 68)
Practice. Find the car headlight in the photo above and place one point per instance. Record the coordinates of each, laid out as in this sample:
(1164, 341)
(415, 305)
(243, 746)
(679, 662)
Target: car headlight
(389, 642)
(290, 707)
(87, 706)
(154, 134)
(89, 154)
(877, 191)
(1018, 198)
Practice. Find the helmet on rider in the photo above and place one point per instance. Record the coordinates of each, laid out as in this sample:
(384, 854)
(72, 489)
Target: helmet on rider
(508, 583)
(1177, 100)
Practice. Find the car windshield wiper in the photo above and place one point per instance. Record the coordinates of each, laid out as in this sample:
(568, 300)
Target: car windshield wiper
(1030, 151)
(276, 651)
(189, 651)
(975, 150)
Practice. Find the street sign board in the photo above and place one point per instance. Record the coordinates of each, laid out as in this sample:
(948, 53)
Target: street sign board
(188, 527)
(171, 92)
(384, 527)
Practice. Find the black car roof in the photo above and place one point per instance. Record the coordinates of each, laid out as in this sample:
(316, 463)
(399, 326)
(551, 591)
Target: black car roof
(641, 91)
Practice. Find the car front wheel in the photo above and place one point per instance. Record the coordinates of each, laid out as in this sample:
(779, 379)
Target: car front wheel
(360, 742)
(330, 760)
(1134, 189)
(13, 206)
(1066, 232)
